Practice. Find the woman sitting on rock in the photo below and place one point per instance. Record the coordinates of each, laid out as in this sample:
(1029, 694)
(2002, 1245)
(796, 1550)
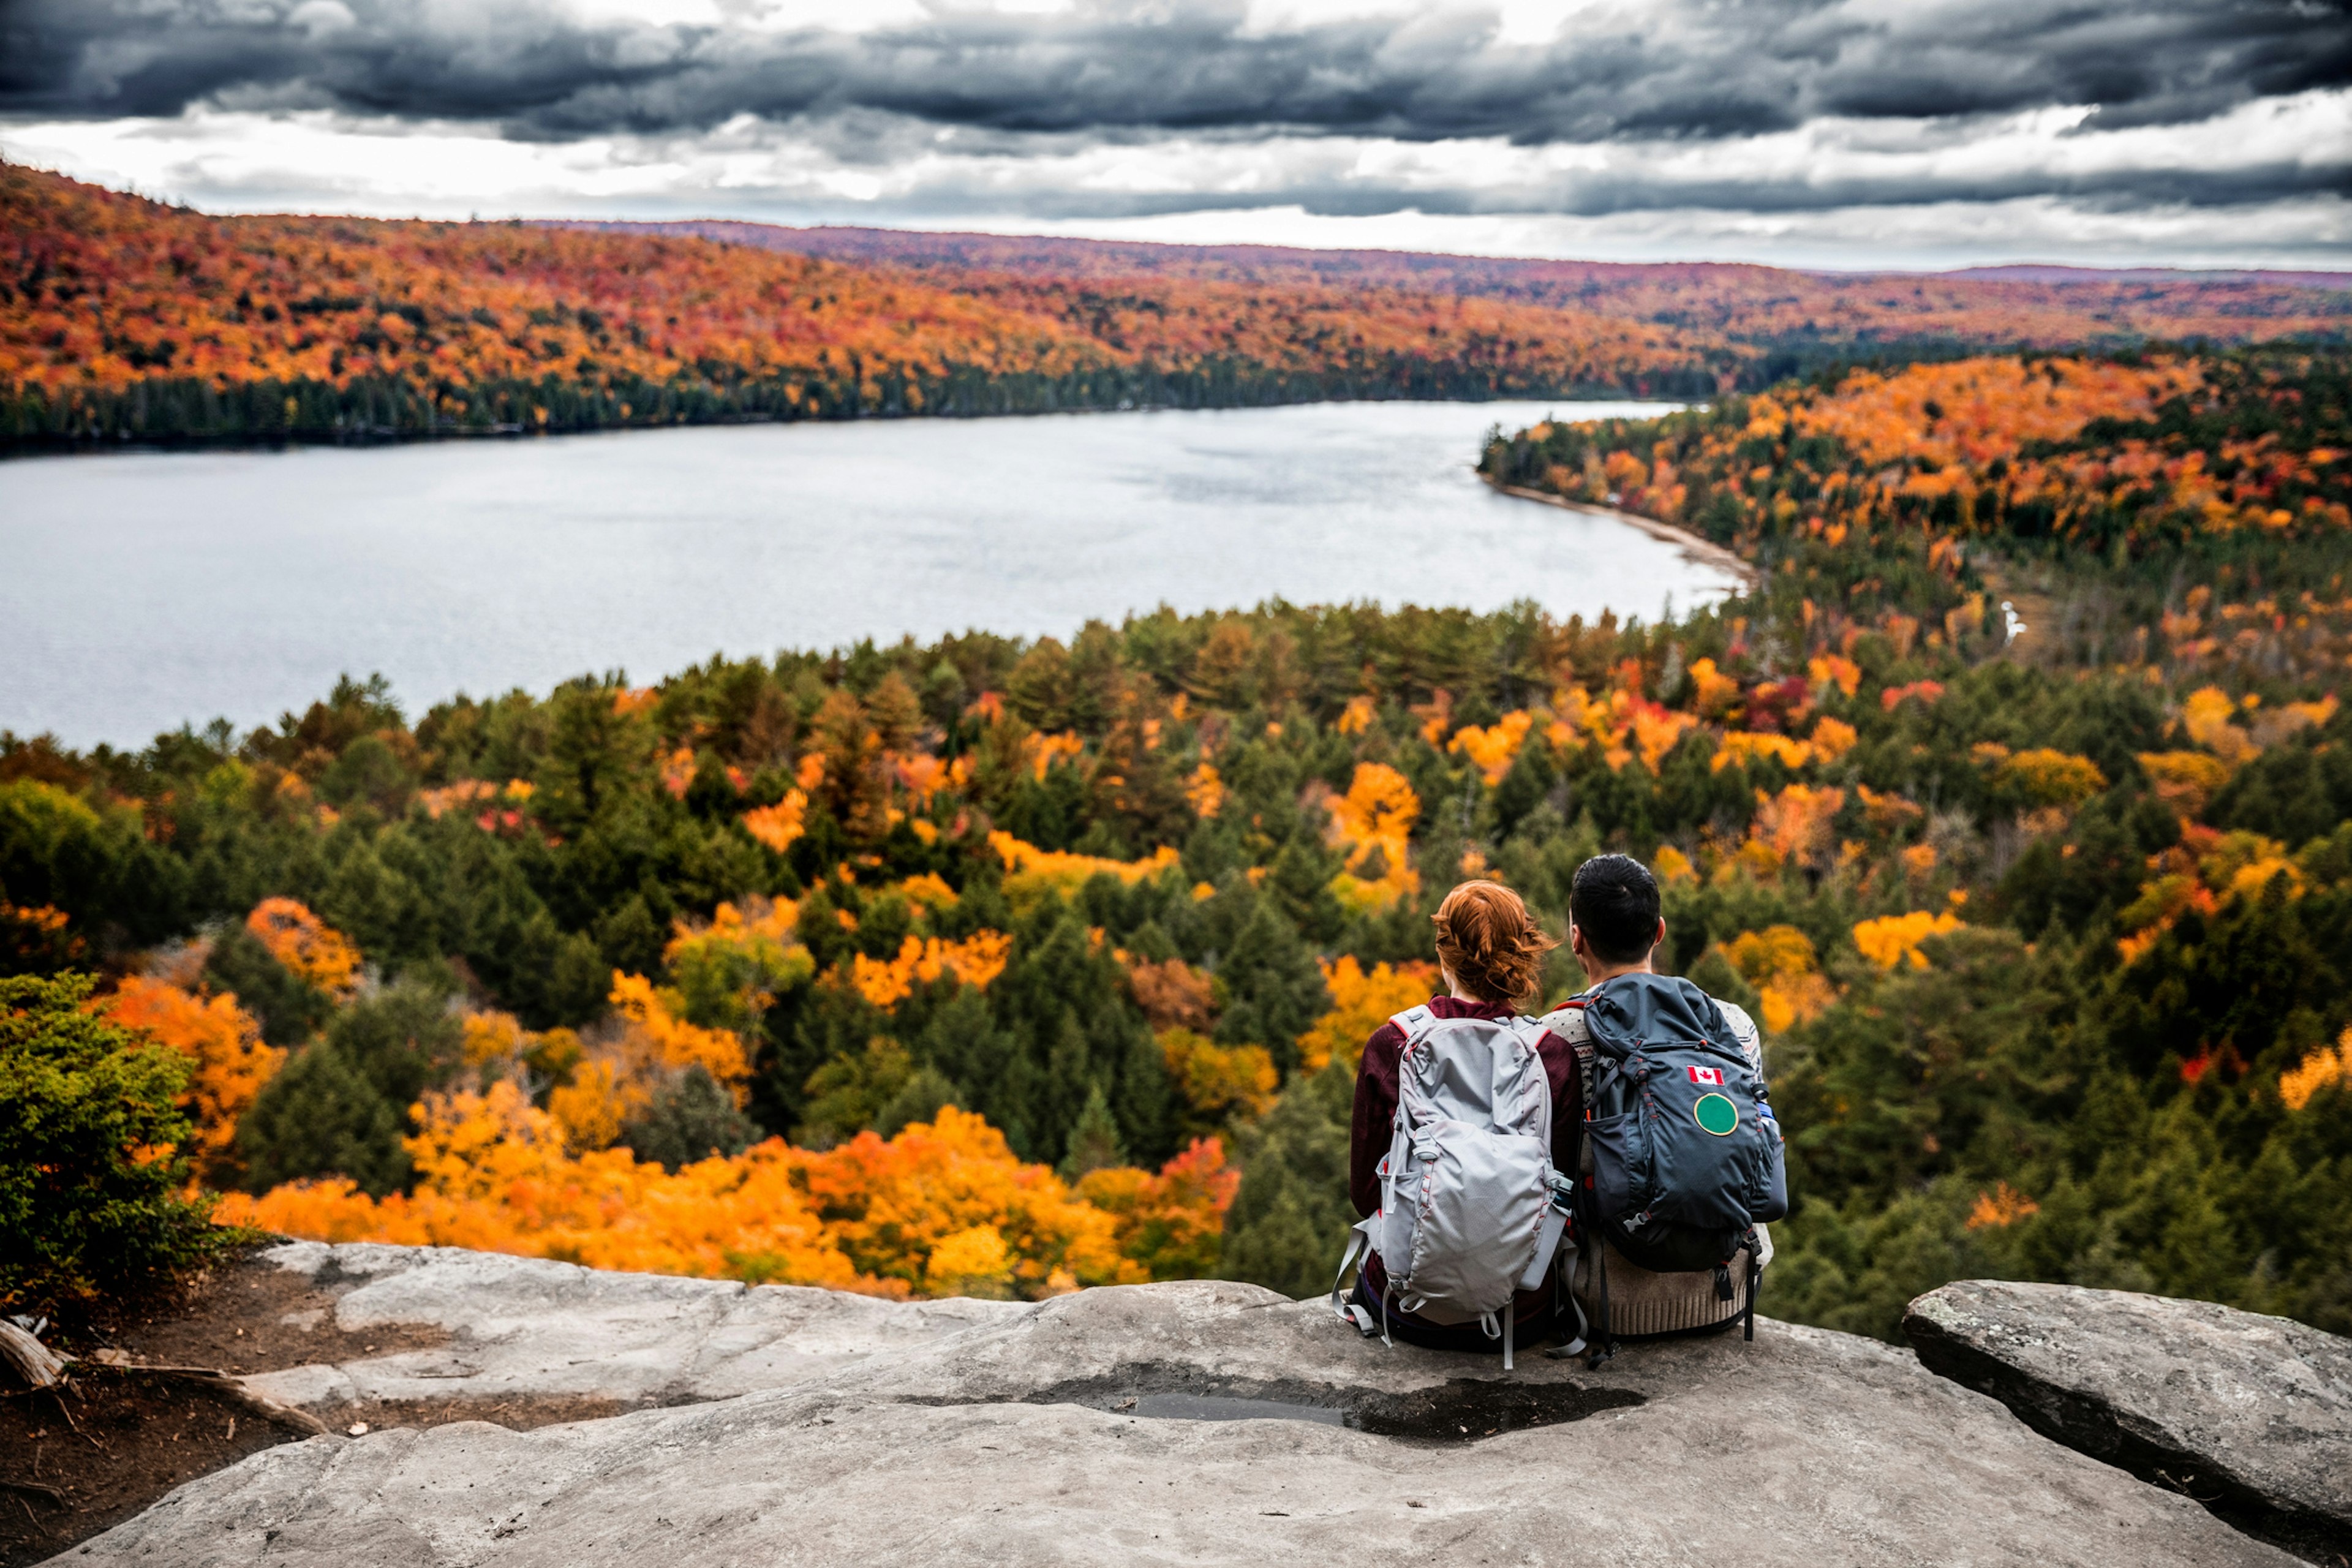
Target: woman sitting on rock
(1490, 954)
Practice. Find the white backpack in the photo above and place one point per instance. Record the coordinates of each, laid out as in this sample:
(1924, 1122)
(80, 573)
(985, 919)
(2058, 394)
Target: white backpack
(1471, 1210)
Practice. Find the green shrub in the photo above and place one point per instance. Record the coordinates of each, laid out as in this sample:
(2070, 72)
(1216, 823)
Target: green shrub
(85, 1208)
(689, 1119)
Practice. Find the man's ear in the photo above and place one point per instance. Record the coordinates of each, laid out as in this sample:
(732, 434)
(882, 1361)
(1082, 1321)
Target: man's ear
(1659, 940)
(1575, 938)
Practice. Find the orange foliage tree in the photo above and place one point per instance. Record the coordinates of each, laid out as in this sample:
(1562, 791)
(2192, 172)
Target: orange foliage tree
(306, 944)
(221, 1039)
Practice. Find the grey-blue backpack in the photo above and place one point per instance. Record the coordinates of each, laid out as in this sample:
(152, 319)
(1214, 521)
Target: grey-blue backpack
(1687, 1156)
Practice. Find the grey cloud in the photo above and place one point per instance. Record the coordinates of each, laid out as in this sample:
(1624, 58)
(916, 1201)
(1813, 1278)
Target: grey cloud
(948, 198)
(1677, 70)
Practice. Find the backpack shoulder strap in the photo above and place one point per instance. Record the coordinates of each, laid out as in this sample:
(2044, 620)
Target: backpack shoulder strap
(1416, 1024)
(1415, 1021)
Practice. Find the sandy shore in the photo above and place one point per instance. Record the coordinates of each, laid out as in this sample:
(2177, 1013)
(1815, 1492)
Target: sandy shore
(1704, 551)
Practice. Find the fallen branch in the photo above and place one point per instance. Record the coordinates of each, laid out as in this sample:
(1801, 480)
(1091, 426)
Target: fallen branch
(228, 1387)
(35, 1365)
(35, 1488)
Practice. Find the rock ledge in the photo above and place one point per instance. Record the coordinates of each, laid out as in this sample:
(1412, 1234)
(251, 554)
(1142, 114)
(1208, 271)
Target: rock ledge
(2251, 1415)
(1031, 1438)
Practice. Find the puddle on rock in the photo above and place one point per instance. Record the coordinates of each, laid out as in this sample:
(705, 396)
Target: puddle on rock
(1228, 1407)
(1467, 1409)
(1462, 1410)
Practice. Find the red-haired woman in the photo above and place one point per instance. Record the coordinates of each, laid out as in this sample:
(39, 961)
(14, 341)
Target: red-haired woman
(1490, 954)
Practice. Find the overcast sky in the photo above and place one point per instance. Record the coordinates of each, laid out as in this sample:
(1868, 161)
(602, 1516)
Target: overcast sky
(1846, 133)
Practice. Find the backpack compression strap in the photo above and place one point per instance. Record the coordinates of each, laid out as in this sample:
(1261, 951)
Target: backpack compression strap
(1359, 1243)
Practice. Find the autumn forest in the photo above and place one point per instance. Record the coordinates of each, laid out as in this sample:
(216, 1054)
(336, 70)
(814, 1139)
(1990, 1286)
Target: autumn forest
(2014, 798)
(121, 317)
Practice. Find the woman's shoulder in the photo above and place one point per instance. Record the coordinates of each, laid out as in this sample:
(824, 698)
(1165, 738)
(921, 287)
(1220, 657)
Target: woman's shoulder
(1382, 1046)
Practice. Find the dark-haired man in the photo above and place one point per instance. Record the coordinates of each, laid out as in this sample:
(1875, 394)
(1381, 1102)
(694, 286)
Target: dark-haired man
(1615, 925)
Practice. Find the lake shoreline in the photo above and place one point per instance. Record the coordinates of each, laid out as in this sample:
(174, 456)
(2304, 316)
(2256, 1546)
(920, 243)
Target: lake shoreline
(18, 440)
(1702, 552)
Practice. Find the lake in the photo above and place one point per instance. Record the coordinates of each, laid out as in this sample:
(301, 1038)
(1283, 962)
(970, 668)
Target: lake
(143, 590)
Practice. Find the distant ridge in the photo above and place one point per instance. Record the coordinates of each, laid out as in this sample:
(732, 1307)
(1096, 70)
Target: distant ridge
(1049, 253)
(2035, 272)
(130, 318)
(1806, 317)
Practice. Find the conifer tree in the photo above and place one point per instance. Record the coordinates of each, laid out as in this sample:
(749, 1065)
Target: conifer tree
(687, 1119)
(1094, 1139)
(1275, 988)
(1290, 1220)
(323, 1115)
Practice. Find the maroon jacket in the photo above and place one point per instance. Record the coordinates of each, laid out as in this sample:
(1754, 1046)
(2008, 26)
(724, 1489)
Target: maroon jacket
(1375, 1117)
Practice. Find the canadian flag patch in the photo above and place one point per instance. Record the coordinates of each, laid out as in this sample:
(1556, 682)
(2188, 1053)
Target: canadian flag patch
(1708, 1075)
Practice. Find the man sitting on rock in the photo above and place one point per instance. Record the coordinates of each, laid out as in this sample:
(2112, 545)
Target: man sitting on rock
(1615, 926)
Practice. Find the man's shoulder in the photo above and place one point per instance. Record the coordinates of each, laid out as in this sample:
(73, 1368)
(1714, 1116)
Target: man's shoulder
(1743, 1028)
(1567, 1021)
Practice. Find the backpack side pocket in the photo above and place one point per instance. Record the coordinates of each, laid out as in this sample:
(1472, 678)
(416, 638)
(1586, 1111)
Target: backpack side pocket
(1616, 1141)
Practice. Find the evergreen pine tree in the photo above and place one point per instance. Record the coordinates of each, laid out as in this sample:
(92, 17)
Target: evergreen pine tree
(1291, 1217)
(287, 1009)
(1094, 1142)
(322, 1116)
(919, 1100)
(689, 1119)
(1275, 988)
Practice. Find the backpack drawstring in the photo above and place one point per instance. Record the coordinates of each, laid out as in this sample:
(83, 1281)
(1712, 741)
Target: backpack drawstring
(1754, 1278)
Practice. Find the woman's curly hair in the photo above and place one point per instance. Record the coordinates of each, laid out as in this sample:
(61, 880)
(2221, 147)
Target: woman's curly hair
(1490, 943)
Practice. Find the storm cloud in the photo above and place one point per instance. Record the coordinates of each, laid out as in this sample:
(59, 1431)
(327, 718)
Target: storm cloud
(1685, 69)
(2224, 127)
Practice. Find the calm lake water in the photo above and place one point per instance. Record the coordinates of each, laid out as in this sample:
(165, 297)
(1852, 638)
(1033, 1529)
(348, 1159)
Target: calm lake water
(139, 591)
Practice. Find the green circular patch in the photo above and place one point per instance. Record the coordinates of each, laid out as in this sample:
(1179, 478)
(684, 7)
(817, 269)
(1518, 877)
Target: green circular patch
(1716, 1114)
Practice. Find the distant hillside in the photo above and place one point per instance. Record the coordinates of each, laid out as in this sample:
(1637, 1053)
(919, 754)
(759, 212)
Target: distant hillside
(119, 316)
(122, 317)
(1803, 315)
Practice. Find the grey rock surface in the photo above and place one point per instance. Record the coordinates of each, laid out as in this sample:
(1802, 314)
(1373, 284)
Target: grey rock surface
(528, 1326)
(2251, 1414)
(1030, 1440)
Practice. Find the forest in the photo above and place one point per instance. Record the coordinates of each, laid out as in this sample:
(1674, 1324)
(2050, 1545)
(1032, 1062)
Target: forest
(1786, 319)
(124, 318)
(2015, 801)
